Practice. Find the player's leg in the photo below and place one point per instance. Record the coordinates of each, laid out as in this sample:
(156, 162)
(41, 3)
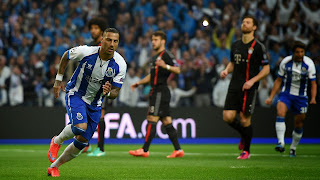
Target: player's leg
(75, 105)
(71, 151)
(229, 116)
(150, 134)
(281, 125)
(99, 151)
(232, 104)
(153, 117)
(247, 108)
(297, 133)
(299, 109)
(101, 129)
(247, 133)
(173, 136)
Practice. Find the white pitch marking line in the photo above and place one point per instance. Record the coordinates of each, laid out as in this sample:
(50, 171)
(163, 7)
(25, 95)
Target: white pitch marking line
(162, 153)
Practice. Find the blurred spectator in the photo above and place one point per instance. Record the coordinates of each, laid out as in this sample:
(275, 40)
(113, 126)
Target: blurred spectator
(219, 92)
(127, 97)
(285, 9)
(15, 87)
(203, 78)
(4, 75)
(177, 93)
(264, 90)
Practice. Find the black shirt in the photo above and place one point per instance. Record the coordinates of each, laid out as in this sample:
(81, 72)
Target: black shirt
(239, 57)
(160, 75)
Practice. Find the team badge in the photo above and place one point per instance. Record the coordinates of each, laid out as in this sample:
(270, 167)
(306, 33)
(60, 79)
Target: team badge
(79, 116)
(110, 72)
(303, 69)
(250, 51)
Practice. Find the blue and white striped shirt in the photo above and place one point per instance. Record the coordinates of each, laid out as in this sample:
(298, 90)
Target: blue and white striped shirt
(92, 73)
(295, 75)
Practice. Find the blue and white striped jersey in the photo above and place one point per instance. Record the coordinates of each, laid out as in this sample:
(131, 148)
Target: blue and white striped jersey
(92, 73)
(295, 75)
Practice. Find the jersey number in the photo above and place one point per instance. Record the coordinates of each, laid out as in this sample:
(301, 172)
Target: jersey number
(303, 109)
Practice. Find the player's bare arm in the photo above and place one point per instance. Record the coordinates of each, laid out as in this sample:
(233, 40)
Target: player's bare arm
(62, 67)
(173, 69)
(276, 87)
(313, 92)
(263, 73)
(228, 70)
(110, 92)
(142, 81)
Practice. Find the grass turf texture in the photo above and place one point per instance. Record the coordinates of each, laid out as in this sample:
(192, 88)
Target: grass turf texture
(200, 162)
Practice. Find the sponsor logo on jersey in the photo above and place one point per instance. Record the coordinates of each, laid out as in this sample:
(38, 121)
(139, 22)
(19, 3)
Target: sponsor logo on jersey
(79, 116)
(110, 72)
(94, 80)
(89, 66)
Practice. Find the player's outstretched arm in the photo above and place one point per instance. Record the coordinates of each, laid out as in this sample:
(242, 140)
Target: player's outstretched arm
(276, 87)
(58, 82)
(142, 81)
(313, 92)
(173, 69)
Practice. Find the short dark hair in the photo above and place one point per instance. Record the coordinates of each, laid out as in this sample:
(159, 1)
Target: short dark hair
(255, 22)
(101, 22)
(113, 30)
(298, 44)
(160, 34)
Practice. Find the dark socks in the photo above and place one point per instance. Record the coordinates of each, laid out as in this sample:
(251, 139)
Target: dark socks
(236, 125)
(173, 136)
(101, 129)
(247, 136)
(151, 132)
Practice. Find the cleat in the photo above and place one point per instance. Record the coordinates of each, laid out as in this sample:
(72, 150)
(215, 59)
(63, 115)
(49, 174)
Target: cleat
(176, 153)
(241, 144)
(279, 148)
(292, 153)
(53, 150)
(244, 155)
(97, 153)
(54, 172)
(139, 153)
(87, 149)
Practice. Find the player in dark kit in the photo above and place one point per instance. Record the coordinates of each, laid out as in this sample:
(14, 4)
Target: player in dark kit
(162, 64)
(247, 55)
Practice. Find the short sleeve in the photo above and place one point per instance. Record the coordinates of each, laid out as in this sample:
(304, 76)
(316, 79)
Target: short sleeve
(264, 58)
(312, 71)
(170, 59)
(77, 53)
(119, 78)
(281, 71)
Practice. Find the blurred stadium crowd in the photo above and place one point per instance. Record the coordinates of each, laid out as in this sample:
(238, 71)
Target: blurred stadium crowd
(35, 33)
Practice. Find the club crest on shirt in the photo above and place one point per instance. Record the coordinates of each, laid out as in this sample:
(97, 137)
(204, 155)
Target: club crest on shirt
(303, 69)
(110, 72)
(250, 51)
(79, 116)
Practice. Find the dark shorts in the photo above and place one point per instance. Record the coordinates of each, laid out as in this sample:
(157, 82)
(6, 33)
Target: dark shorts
(159, 102)
(241, 101)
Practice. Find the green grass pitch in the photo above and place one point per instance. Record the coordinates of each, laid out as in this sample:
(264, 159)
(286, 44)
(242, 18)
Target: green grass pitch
(214, 161)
